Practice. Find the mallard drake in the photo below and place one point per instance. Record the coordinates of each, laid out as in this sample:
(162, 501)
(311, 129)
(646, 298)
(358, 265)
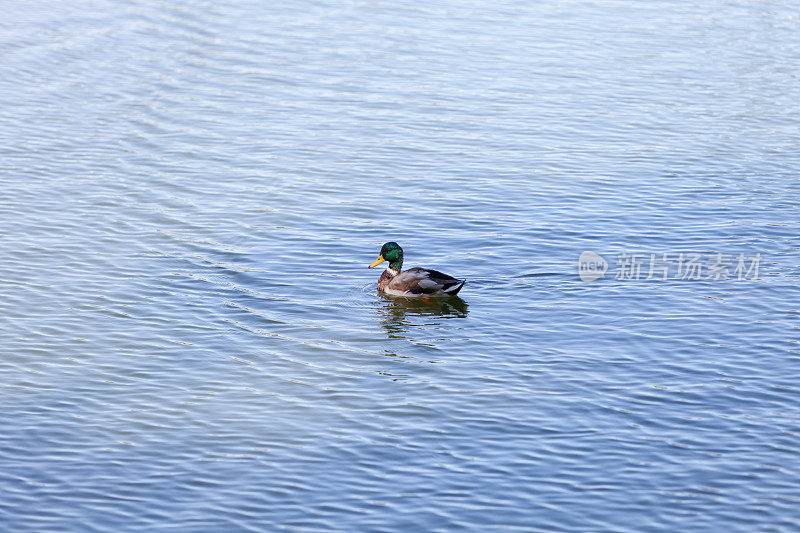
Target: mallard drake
(414, 282)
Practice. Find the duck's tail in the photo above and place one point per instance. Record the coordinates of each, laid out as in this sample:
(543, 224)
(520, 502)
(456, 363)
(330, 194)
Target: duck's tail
(453, 289)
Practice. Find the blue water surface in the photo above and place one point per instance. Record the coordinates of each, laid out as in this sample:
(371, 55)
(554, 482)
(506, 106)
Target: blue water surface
(191, 193)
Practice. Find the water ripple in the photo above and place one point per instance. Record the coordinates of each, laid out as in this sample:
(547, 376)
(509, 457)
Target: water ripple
(192, 194)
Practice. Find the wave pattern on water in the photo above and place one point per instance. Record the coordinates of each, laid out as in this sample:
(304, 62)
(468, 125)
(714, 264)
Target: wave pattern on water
(192, 193)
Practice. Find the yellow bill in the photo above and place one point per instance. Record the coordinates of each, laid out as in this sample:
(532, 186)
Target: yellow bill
(377, 262)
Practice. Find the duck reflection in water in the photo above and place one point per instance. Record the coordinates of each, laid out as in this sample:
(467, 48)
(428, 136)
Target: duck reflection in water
(397, 314)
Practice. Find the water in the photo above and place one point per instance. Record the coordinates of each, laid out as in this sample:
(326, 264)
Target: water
(192, 193)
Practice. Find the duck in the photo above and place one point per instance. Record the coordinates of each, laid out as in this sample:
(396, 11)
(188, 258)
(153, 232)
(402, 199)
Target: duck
(414, 282)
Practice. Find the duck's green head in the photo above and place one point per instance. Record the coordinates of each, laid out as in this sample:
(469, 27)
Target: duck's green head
(391, 252)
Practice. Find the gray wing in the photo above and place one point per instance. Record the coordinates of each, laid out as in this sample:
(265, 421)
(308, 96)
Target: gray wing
(426, 281)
